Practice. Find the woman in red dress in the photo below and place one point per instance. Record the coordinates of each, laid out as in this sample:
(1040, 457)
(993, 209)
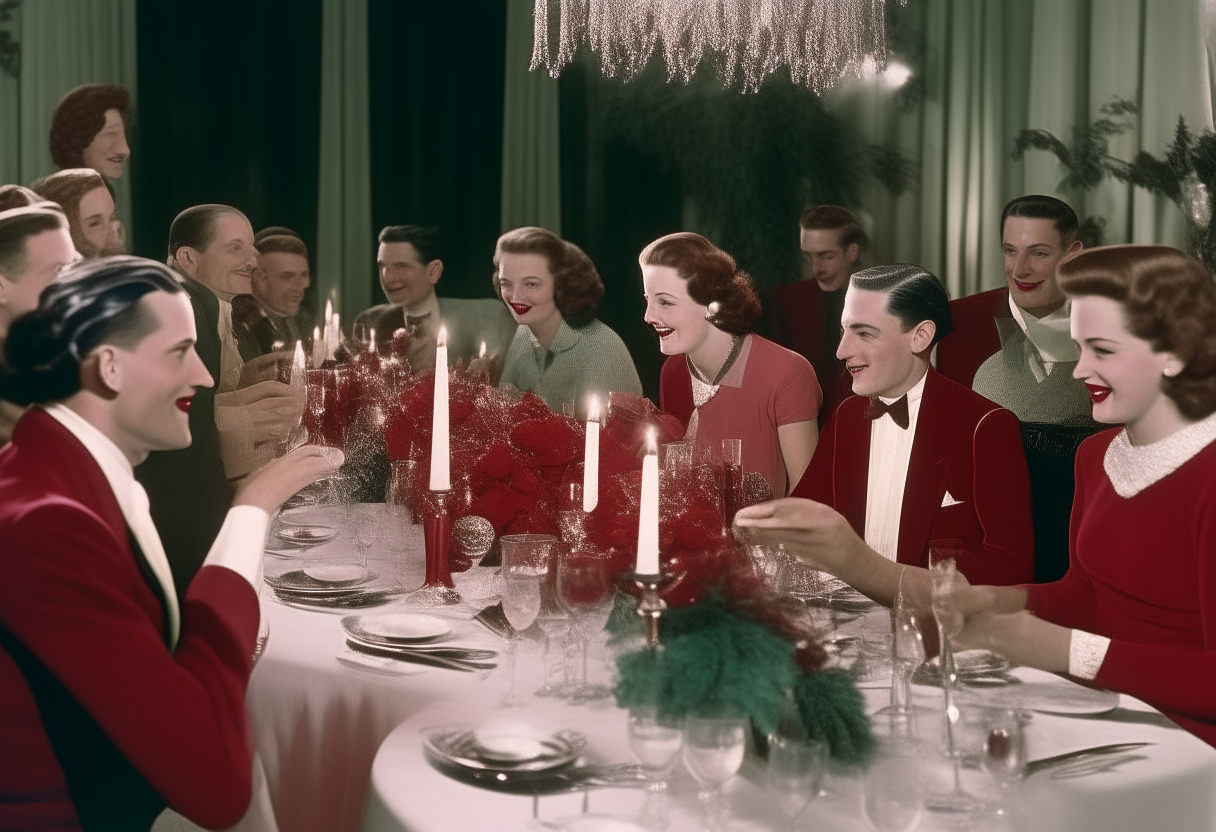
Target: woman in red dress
(723, 382)
(1136, 611)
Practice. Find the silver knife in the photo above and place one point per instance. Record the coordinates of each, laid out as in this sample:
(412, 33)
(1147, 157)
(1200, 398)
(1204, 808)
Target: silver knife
(1035, 766)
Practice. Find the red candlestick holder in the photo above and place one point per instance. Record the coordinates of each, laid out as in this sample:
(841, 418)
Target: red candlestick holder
(437, 531)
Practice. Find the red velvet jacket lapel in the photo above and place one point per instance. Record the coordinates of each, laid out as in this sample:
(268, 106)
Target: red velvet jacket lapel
(928, 470)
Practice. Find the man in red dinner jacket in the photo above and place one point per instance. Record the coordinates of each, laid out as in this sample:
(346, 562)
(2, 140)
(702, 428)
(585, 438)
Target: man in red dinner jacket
(804, 316)
(913, 458)
(115, 699)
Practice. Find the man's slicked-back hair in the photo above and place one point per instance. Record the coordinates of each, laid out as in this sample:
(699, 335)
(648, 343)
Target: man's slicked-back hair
(1042, 207)
(280, 241)
(17, 225)
(913, 295)
(834, 218)
(427, 240)
(196, 226)
(94, 302)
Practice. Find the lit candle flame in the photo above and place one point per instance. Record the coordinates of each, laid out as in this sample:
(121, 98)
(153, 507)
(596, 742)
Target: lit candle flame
(482, 352)
(371, 340)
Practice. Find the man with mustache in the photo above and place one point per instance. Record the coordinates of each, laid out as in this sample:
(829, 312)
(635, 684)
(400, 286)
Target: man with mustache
(410, 263)
(913, 457)
(1012, 345)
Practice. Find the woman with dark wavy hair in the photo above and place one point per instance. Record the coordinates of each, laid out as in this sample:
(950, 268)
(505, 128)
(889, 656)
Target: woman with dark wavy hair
(560, 351)
(722, 381)
(89, 129)
(1136, 611)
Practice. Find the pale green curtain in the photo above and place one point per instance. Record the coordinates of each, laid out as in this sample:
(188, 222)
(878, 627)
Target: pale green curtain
(345, 237)
(531, 144)
(64, 43)
(995, 67)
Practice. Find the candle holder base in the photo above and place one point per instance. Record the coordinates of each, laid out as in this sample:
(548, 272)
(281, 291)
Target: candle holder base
(437, 530)
(651, 605)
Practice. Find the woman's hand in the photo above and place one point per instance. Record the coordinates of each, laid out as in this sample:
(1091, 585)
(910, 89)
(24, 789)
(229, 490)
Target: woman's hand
(274, 482)
(1020, 637)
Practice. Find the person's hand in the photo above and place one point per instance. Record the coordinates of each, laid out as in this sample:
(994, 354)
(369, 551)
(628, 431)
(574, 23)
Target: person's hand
(490, 366)
(270, 408)
(810, 531)
(262, 368)
(274, 482)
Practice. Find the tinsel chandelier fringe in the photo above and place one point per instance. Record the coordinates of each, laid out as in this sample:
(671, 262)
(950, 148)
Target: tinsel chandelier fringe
(820, 41)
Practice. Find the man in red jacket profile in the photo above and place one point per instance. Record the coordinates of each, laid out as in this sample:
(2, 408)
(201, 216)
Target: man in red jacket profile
(116, 700)
(912, 458)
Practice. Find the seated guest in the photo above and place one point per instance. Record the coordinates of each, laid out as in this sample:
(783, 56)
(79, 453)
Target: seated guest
(721, 381)
(272, 315)
(116, 700)
(805, 315)
(88, 200)
(560, 351)
(410, 259)
(34, 247)
(1012, 346)
(89, 129)
(1135, 612)
(212, 246)
(911, 459)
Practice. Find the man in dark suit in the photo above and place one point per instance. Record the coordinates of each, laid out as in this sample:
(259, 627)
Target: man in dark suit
(913, 458)
(410, 260)
(115, 699)
(804, 316)
(272, 314)
(1013, 346)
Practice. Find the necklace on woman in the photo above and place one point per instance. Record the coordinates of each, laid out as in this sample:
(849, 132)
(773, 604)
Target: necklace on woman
(702, 388)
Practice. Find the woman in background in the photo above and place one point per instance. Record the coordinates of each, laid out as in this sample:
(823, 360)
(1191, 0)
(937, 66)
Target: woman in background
(724, 382)
(560, 351)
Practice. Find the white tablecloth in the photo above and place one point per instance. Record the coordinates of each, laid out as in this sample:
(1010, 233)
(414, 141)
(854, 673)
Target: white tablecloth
(1173, 787)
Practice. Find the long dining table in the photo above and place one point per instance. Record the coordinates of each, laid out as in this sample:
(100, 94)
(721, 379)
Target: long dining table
(339, 741)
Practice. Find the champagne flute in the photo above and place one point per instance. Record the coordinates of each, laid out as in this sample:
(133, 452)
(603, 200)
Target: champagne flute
(795, 772)
(656, 745)
(907, 654)
(584, 587)
(555, 622)
(367, 524)
(713, 753)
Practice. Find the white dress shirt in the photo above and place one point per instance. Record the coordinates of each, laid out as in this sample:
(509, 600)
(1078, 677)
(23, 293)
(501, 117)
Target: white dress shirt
(238, 546)
(1048, 339)
(890, 450)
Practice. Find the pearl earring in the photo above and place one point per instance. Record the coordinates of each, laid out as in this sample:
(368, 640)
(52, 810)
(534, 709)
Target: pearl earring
(1171, 371)
(711, 311)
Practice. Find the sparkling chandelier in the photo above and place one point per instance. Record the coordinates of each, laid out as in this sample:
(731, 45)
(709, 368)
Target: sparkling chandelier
(820, 41)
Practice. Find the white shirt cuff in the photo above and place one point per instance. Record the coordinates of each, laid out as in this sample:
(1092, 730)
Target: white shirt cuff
(241, 543)
(1086, 652)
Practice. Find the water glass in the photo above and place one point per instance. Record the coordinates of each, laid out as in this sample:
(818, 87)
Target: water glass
(795, 772)
(585, 590)
(525, 564)
(713, 752)
(907, 654)
(1003, 755)
(656, 746)
(893, 793)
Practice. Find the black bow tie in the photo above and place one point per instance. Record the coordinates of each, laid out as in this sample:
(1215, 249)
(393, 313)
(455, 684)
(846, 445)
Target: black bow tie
(898, 410)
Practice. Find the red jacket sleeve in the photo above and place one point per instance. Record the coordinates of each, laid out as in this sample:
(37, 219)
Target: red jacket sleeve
(1001, 490)
(71, 596)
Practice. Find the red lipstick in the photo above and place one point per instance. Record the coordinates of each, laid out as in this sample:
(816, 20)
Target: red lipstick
(183, 404)
(663, 331)
(1026, 287)
(1097, 392)
(520, 308)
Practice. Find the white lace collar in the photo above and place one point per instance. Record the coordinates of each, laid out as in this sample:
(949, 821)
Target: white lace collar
(1133, 468)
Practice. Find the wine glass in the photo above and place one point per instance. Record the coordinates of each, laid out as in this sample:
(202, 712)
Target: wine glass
(525, 564)
(555, 622)
(713, 752)
(584, 588)
(1003, 755)
(656, 745)
(907, 654)
(893, 793)
(795, 772)
(367, 524)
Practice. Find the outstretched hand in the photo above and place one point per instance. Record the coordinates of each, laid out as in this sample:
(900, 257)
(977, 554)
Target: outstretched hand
(269, 486)
(811, 531)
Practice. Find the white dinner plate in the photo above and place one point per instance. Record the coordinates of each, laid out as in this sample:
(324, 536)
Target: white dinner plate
(297, 583)
(307, 535)
(336, 574)
(395, 627)
(459, 746)
(1060, 698)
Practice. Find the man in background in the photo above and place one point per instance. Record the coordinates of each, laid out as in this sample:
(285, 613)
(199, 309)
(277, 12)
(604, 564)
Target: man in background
(271, 319)
(410, 263)
(88, 201)
(804, 316)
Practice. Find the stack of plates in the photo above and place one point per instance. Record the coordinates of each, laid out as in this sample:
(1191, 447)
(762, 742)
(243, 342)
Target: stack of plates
(394, 629)
(328, 585)
(501, 760)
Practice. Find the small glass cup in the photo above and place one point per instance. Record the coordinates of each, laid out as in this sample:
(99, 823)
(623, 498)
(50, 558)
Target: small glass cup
(656, 746)
(795, 772)
(714, 745)
(893, 792)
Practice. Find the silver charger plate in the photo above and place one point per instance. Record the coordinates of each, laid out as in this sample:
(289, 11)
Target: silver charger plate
(296, 582)
(306, 535)
(458, 746)
(1059, 698)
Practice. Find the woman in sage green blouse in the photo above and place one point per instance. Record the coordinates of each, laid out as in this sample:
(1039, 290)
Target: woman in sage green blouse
(560, 351)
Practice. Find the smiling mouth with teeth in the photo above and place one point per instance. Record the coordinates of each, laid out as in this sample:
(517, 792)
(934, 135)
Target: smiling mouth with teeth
(854, 369)
(662, 331)
(520, 308)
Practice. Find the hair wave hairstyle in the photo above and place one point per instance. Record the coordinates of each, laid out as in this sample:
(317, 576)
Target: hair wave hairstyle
(577, 287)
(1169, 300)
(712, 277)
(79, 117)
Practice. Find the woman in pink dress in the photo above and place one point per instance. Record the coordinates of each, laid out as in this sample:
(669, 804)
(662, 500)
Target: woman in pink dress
(721, 381)
(1136, 611)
